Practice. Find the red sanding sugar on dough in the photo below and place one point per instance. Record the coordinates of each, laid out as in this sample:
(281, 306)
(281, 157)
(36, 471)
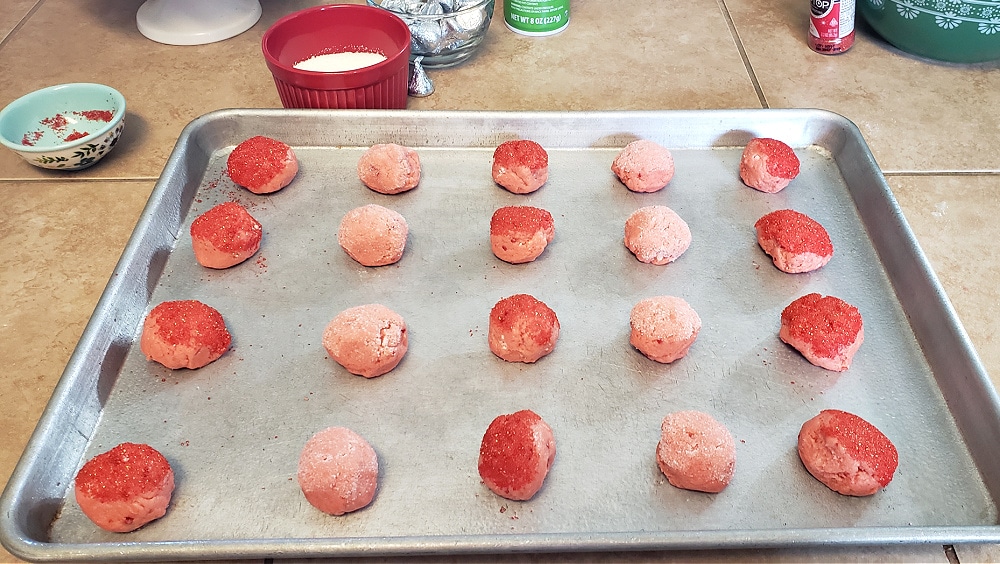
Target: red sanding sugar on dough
(183, 321)
(258, 161)
(516, 453)
(795, 232)
(863, 442)
(781, 159)
(123, 472)
(96, 115)
(825, 329)
(125, 488)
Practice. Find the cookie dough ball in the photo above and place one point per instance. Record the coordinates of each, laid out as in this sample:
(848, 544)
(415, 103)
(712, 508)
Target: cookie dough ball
(516, 454)
(795, 241)
(262, 165)
(644, 166)
(768, 165)
(389, 168)
(696, 452)
(664, 327)
(184, 334)
(518, 234)
(520, 166)
(848, 454)
(522, 329)
(825, 329)
(225, 236)
(656, 235)
(373, 235)
(338, 471)
(368, 340)
(125, 487)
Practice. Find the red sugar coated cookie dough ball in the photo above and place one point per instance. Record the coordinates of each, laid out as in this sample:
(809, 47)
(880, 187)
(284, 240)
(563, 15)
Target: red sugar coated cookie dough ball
(184, 334)
(338, 471)
(656, 235)
(262, 165)
(795, 241)
(516, 454)
(522, 329)
(664, 327)
(519, 234)
(846, 453)
(768, 165)
(125, 487)
(520, 166)
(644, 166)
(696, 452)
(225, 236)
(367, 340)
(825, 329)
(389, 168)
(373, 235)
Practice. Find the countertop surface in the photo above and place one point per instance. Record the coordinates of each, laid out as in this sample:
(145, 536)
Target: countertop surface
(932, 127)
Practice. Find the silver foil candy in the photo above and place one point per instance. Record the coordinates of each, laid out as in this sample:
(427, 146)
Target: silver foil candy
(420, 84)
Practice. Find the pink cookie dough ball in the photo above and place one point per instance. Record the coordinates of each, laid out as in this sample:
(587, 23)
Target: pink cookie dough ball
(516, 454)
(225, 236)
(519, 234)
(846, 453)
(184, 334)
(389, 168)
(656, 235)
(262, 165)
(521, 166)
(125, 488)
(522, 329)
(768, 165)
(644, 166)
(338, 471)
(367, 340)
(827, 330)
(664, 327)
(373, 235)
(796, 242)
(696, 452)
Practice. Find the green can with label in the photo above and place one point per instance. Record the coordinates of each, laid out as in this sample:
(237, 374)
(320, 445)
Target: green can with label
(536, 17)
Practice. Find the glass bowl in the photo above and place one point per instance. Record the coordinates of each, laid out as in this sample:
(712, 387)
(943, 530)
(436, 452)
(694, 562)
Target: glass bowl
(450, 34)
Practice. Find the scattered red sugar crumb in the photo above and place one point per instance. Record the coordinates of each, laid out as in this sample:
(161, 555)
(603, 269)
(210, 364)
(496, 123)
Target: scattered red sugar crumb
(56, 123)
(76, 135)
(96, 115)
(31, 138)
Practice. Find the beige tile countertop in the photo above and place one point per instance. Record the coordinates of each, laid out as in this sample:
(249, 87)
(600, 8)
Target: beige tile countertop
(933, 128)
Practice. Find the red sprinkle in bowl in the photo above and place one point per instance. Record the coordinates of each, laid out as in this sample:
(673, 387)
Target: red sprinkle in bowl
(64, 127)
(339, 28)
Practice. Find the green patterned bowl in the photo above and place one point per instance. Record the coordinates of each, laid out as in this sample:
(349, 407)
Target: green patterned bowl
(64, 127)
(957, 31)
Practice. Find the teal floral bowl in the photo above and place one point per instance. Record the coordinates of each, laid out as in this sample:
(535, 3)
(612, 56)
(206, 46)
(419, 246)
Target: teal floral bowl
(64, 127)
(957, 31)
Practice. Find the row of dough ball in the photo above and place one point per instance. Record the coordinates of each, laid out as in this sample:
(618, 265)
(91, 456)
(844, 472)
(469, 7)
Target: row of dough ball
(132, 484)
(370, 340)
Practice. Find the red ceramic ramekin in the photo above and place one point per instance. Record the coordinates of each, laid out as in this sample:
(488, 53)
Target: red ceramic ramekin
(339, 28)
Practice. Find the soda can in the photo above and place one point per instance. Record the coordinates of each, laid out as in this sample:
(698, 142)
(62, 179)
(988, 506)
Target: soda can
(536, 17)
(831, 26)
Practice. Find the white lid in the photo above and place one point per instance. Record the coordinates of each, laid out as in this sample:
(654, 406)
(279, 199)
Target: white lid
(196, 22)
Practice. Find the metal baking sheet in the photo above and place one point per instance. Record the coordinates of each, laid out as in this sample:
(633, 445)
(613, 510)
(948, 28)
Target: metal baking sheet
(233, 429)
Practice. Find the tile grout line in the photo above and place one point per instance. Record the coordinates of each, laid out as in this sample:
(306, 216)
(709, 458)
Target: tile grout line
(106, 179)
(21, 23)
(743, 53)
